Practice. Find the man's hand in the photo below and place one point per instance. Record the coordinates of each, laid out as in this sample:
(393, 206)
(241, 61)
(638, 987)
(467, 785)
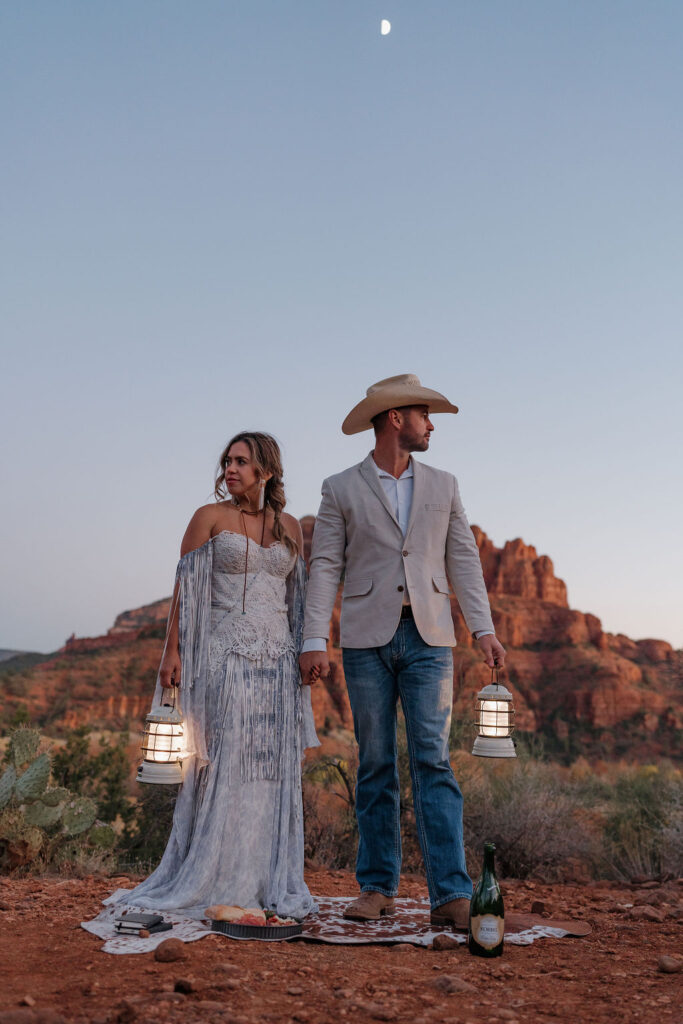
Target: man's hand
(314, 665)
(494, 652)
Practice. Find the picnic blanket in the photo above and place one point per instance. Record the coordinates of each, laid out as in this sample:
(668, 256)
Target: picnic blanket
(410, 924)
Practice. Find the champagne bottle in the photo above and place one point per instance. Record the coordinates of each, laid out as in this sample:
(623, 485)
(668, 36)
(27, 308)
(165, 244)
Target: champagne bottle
(487, 916)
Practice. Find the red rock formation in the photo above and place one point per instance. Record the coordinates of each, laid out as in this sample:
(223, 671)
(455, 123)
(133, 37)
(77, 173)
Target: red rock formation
(584, 690)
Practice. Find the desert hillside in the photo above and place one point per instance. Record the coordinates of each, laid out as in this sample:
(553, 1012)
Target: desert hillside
(580, 689)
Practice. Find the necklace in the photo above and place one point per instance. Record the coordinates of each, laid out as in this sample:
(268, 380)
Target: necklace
(247, 512)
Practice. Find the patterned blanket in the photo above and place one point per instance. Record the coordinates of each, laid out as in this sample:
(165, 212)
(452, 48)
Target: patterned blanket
(409, 924)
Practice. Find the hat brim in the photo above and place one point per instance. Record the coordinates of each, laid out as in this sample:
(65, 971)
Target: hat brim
(361, 416)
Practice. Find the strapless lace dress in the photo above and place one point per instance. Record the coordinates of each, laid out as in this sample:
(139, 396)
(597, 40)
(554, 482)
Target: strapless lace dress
(237, 834)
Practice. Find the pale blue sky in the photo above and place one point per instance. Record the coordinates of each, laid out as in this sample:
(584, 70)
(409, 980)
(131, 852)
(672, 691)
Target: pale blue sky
(241, 214)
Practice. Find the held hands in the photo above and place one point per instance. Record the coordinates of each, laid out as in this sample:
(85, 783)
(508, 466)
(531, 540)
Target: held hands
(494, 652)
(169, 670)
(314, 665)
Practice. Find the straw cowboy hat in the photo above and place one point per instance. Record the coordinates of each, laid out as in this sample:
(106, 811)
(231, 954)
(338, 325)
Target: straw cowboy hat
(404, 389)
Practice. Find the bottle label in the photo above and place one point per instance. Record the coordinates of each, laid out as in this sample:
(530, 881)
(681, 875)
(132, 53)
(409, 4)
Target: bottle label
(488, 930)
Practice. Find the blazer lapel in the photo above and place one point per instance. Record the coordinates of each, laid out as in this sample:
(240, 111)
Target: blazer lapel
(418, 494)
(369, 474)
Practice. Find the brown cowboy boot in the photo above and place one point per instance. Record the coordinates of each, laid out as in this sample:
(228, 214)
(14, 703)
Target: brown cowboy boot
(456, 914)
(370, 906)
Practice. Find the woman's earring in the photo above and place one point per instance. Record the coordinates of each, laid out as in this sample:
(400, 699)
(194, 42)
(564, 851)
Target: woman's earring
(262, 496)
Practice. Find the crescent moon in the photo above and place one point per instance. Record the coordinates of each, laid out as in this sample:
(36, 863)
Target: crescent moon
(385, 27)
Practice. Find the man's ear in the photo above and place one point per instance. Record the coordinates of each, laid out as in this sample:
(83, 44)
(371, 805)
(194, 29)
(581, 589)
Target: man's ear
(395, 418)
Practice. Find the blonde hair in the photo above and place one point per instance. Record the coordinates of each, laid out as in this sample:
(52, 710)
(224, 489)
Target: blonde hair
(265, 454)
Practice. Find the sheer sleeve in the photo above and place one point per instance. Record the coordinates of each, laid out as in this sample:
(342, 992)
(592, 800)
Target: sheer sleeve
(296, 605)
(193, 576)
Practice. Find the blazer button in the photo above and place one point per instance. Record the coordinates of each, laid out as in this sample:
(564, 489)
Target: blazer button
(404, 553)
(399, 588)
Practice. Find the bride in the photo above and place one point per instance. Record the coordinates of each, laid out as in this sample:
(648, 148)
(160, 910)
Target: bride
(232, 645)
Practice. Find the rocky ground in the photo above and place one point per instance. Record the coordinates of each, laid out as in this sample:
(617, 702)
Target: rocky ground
(53, 971)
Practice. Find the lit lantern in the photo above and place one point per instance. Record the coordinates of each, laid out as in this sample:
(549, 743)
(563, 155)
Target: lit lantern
(163, 746)
(494, 721)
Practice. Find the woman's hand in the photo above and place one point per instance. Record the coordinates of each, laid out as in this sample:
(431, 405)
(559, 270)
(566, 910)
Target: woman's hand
(169, 670)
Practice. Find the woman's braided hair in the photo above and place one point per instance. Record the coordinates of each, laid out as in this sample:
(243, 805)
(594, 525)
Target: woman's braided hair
(265, 454)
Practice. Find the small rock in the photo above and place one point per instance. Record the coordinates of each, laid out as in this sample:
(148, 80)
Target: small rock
(295, 990)
(505, 1014)
(450, 983)
(230, 970)
(228, 984)
(144, 933)
(126, 1012)
(538, 907)
(444, 941)
(383, 1013)
(184, 985)
(27, 1001)
(669, 964)
(210, 1006)
(649, 898)
(646, 914)
(169, 950)
(343, 993)
(4, 905)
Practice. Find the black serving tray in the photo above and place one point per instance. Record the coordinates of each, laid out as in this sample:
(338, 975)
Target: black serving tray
(272, 932)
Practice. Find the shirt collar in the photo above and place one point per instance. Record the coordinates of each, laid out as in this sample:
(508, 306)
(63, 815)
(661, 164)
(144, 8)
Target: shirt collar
(407, 474)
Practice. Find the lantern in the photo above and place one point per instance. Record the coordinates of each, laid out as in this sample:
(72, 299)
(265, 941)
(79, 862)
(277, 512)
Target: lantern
(494, 721)
(163, 746)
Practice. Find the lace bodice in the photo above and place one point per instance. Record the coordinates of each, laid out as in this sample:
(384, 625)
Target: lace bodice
(263, 627)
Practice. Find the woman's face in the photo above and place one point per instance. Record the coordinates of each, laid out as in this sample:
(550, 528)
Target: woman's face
(240, 473)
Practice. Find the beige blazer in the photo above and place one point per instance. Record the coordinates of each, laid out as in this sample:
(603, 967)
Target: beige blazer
(357, 535)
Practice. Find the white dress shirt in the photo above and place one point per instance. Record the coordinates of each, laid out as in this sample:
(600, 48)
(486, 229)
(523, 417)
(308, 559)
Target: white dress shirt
(399, 491)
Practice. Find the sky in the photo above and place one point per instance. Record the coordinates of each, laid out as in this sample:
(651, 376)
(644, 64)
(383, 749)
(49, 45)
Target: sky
(238, 215)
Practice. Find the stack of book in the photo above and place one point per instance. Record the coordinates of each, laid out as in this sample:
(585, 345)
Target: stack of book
(133, 924)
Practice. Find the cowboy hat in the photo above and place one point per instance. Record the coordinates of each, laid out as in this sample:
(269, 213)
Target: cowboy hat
(404, 389)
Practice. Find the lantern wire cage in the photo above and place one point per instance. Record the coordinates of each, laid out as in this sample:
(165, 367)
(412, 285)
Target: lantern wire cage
(494, 720)
(163, 745)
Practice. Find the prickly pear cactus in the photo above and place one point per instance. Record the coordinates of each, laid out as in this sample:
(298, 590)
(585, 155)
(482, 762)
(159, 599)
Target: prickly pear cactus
(78, 815)
(7, 781)
(102, 836)
(54, 796)
(24, 746)
(31, 784)
(42, 815)
(19, 844)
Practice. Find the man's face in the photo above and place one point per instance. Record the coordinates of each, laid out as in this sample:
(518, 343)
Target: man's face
(415, 429)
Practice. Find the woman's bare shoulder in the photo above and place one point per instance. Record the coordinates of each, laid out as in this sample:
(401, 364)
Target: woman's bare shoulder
(199, 528)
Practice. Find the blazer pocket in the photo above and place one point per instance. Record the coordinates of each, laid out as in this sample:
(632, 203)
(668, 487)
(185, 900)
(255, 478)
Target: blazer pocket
(357, 586)
(440, 584)
(436, 507)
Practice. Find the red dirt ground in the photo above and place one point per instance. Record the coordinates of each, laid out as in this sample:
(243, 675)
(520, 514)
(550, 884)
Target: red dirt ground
(612, 976)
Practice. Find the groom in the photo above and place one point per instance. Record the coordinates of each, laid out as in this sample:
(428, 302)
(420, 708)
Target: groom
(396, 530)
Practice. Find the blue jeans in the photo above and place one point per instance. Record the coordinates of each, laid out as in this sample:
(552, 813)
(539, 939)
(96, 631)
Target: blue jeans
(422, 676)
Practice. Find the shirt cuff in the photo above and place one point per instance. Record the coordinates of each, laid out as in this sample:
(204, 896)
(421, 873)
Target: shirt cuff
(314, 643)
(479, 633)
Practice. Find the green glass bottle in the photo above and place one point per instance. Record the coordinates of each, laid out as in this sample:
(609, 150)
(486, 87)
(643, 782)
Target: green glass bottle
(487, 916)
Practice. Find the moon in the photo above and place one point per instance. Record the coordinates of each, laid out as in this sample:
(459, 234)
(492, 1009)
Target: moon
(385, 27)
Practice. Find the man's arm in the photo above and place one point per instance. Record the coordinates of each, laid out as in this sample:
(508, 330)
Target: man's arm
(327, 565)
(467, 579)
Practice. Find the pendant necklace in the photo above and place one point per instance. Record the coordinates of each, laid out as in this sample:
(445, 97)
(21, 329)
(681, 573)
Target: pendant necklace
(243, 513)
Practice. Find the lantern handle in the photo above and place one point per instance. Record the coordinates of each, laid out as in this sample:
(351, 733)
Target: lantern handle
(494, 674)
(174, 695)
